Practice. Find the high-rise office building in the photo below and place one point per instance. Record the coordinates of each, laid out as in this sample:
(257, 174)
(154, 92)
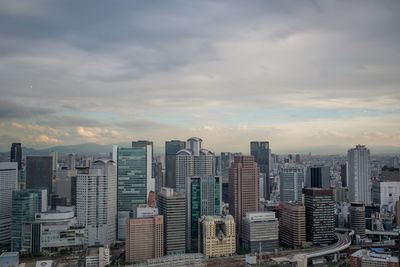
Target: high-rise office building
(39, 172)
(357, 218)
(292, 224)
(343, 174)
(203, 197)
(157, 175)
(54, 156)
(25, 203)
(319, 215)
(260, 232)
(359, 180)
(318, 177)
(217, 236)
(193, 161)
(291, 184)
(134, 179)
(226, 160)
(173, 208)
(8, 183)
(71, 161)
(144, 239)
(16, 154)
(385, 194)
(171, 148)
(97, 202)
(261, 153)
(243, 189)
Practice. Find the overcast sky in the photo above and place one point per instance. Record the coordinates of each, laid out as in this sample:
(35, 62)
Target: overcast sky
(300, 74)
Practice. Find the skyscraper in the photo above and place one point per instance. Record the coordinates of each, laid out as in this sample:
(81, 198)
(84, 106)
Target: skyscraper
(318, 177)
(157, 175)
(71, 161)
(292, 224)
(243, 188)
(25, 203)
(291, 184)
(343, 174)
(173, 208)
(16, 154)
(171, 148)
(319, 215)
(39, 172)
(203, 197)
(144, 239)
(54, 155)
(359, 173)
(226, 160)
(96, 202)
(261, 152)
(134, 179)
(8, 183)
(193, 161)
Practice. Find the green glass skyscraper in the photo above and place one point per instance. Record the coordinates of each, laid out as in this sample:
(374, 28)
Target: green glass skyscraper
(25, 203)
(134, 179)
(203, 198)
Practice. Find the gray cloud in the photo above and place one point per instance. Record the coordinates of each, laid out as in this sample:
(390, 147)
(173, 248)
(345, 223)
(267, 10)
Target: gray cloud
(69, 121)
(141, 125)
(10, 110)
(185, 62)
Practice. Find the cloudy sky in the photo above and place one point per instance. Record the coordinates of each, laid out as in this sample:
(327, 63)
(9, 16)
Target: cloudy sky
(301, 74)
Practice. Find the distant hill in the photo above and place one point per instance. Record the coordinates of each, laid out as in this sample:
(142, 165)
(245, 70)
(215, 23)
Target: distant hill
(86, 148)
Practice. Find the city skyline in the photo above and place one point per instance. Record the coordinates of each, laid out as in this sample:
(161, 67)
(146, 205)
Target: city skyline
(294, 74)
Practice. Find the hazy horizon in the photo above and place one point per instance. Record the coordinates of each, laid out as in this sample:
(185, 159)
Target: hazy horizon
(297, 74)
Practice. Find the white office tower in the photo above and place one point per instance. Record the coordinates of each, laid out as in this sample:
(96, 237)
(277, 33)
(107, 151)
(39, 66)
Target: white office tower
(97, 202)
(8, 183)
(193, 161)
(359, 175)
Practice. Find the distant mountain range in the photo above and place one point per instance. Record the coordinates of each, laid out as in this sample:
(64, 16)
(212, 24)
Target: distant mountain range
(87, 149)
(93, 149)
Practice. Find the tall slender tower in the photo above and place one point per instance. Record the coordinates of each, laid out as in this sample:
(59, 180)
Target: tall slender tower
(261, 152)
(193, 161)
(39, 172)
(16, 154)
(173, 208)
(97, 202)
(171, 148)
(359, 175)
(203, 197)
(243, 188)
(134, 165)
(8, 183)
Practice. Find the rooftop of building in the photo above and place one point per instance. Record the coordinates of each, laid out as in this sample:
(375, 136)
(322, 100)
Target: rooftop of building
(367, 254)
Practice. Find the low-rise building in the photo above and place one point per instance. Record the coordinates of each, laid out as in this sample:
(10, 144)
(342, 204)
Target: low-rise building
(9, 259)
(52, 231)
(217, 236)
(97, 257)
(367, 258)
(177, 260)
(260, 231)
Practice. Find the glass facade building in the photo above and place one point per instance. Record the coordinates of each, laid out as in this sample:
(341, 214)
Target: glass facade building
(260, 151)
(25, 204)
(171, 148)
(204, 198)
